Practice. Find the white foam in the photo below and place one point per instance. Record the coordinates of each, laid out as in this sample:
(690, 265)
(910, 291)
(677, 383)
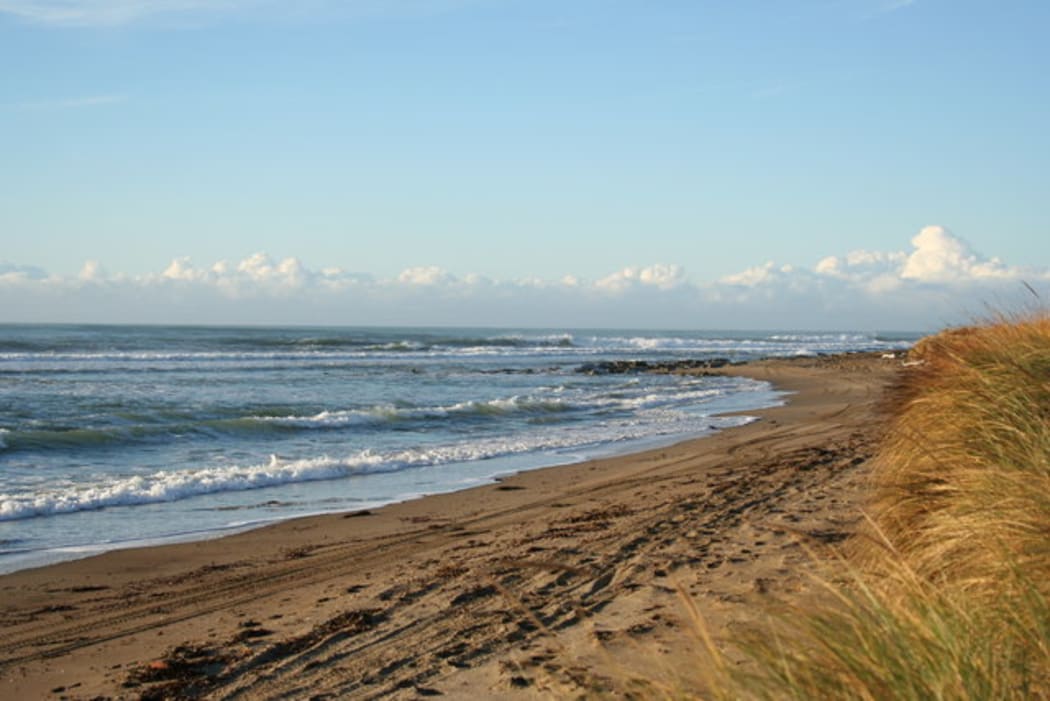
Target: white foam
(552, 401)
(168, 486)
(180, 484)
(389, 412)
(531, 404)
(841, 338)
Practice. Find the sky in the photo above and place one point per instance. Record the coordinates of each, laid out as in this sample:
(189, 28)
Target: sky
(810, 164)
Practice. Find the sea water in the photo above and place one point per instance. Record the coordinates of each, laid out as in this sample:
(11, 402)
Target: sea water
(113, 436)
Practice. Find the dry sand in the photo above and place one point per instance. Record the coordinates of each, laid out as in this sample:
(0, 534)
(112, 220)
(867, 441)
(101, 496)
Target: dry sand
(546, 585)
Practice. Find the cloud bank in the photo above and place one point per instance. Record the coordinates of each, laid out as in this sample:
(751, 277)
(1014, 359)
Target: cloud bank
(939, 280)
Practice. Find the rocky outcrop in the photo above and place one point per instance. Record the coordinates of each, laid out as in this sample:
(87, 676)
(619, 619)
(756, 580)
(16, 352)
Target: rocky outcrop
(622, 367)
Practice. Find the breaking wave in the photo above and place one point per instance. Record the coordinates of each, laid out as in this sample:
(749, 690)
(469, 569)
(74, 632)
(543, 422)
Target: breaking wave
(549, 408)
(168, 486)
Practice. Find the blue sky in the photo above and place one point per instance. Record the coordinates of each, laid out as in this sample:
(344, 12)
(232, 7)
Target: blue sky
(521, 146)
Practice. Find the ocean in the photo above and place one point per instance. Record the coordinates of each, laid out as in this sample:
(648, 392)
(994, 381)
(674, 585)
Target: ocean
(116, 436)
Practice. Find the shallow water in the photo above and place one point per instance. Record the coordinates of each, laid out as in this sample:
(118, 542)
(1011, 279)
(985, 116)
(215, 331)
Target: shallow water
(117, 435)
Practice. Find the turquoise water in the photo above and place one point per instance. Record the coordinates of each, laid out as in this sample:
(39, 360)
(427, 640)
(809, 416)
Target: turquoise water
(111, 436)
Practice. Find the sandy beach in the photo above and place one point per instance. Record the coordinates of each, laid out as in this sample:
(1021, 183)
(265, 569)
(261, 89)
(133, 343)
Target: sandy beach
(551, 583)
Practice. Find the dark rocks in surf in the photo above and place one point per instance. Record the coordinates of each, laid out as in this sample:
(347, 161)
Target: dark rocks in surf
(623, 367)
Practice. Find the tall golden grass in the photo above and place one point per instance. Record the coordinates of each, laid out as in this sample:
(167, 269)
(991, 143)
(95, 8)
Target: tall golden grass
(963, 480)
(945, 596)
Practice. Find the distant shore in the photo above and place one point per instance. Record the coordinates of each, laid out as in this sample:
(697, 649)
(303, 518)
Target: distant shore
(550, 581)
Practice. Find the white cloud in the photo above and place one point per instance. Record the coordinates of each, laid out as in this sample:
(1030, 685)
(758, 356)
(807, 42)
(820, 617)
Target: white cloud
(829, 266)
(261, 269)
(937, 257)
(752, 277)
(940, 256)
(664, 277)
(857, 264)
(938, 279)
(182, 269)
(426, 276)
(258, 270)
(939, 271)
(92, 272)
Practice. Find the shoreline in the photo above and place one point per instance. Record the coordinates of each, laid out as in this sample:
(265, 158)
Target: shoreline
(501, 590)
(19, 561)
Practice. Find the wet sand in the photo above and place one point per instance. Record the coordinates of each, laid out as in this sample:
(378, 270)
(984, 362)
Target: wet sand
(550, 583)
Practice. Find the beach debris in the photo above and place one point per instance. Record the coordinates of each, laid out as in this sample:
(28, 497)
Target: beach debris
(357, 514)
(251, 630)
(297, 553)
(183, 672)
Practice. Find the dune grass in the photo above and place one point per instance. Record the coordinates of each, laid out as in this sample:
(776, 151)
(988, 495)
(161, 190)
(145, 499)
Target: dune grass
(963, 481)
(945, 594)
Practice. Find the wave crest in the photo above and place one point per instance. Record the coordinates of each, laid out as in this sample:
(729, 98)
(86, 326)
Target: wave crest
(177, 485)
